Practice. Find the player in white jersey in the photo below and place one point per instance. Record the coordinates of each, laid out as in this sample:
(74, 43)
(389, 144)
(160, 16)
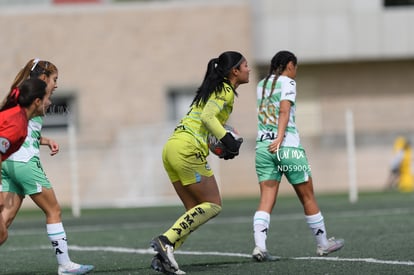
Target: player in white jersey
(22, 174)
(279, 152)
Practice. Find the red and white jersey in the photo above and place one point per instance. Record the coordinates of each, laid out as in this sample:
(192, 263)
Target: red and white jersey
(13, 130)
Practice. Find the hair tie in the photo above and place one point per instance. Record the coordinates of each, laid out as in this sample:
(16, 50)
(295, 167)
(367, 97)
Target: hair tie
(35, 62)
(215, 63)
(15, 94)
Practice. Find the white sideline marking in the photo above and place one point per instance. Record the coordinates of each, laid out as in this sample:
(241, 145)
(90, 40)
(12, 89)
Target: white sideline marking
(151, 251)
(366, 260)
(216, 253)
(218, 220)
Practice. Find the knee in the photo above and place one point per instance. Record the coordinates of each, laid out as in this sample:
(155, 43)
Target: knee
(216, 208)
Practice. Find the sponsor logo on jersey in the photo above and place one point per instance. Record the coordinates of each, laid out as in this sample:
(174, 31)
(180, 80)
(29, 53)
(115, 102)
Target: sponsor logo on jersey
(4, 145)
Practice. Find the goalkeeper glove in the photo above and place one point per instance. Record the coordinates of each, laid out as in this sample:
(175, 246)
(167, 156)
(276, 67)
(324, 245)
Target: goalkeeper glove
(231, 145)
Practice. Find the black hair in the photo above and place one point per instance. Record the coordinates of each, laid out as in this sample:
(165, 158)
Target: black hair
(24, 95)
(217, 72)
(278, 64)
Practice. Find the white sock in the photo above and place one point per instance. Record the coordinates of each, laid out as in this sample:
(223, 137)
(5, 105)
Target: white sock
(57, 237)
(317, 225)
(261, 222)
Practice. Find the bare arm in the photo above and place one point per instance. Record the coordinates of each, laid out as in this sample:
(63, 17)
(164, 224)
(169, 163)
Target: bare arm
(284, 113)
(53, 146)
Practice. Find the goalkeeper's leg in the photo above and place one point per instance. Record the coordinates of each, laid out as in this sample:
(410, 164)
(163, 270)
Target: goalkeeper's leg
(201, 200)
(175, 236)
(190, 221)
(180, 242)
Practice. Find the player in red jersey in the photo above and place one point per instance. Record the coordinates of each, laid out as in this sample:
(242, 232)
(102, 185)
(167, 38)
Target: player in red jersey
(25, 102)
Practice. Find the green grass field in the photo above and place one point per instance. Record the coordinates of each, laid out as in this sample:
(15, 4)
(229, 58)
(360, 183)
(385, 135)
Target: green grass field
(378, 233)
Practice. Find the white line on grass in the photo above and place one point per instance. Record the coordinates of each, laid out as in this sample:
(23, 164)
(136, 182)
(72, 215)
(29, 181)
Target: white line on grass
(366, 260)
(216, 253)
(242, 255)
(218, 220)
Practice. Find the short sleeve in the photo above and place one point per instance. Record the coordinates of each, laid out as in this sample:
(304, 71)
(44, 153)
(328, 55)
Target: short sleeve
(288, 90)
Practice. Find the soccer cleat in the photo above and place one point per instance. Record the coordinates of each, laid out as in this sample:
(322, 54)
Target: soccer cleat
(158, 265)
(164, 248)
(263, 256)
(74, 268)
(333, 245)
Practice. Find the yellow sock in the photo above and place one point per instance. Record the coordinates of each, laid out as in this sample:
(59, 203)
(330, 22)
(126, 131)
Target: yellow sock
(180, 242)
(190, 221)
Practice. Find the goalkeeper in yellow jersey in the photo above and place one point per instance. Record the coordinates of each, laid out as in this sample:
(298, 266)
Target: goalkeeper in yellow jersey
(184, 154)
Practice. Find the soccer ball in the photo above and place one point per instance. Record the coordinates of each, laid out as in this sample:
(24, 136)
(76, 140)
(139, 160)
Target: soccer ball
(216, 146)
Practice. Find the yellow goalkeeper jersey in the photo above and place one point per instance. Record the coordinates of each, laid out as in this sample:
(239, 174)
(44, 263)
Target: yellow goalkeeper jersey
(208, 118)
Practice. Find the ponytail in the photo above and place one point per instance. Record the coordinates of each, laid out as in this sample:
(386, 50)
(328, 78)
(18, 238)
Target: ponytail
(34, 68)
(11, 100)
(277, 65)
(279, 62)
(26, 94)
(216, 75)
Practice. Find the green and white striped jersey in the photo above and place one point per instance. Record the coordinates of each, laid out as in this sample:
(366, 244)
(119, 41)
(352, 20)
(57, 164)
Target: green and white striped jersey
(268, 105)
(31, 145)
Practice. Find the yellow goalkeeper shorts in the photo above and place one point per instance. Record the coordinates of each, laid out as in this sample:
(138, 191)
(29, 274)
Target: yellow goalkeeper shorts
(183, 160)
